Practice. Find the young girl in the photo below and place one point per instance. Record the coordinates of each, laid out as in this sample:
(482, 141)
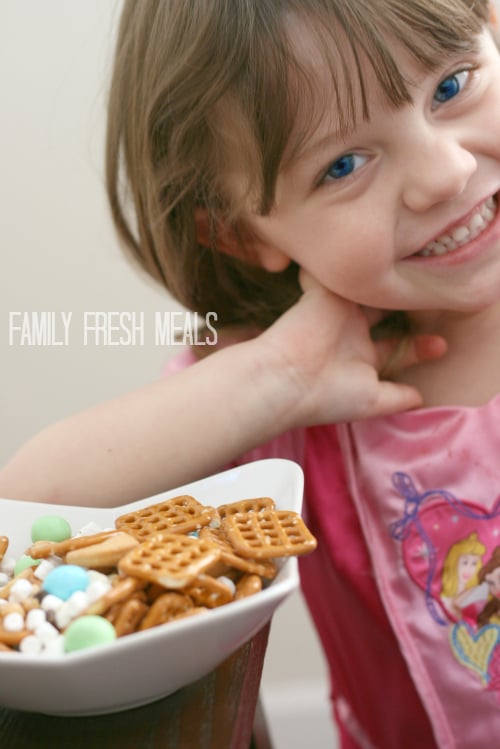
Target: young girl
(355, 140)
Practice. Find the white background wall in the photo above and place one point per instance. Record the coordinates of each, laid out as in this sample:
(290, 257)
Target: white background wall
(59, 253)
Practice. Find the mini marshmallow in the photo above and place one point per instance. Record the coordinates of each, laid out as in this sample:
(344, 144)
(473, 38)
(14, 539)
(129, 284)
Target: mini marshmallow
(89, 529)
(20, 590)
(55, 646)
(51, 603)
(7, 565)
(46, 632)
(30, 645)
(34, 618)
(77, 603)
(228, 583)
(97, 589)
(46, 566)
(4, 578)
(13, 622)
(63, 617)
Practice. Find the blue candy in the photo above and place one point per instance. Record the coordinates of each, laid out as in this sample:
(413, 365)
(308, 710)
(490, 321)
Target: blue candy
(65, 580)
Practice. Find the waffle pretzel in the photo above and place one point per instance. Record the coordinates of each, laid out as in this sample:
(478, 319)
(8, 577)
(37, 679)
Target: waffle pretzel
(170, 559)
(182, 514)
(265, 567)
(268, 534)
(247, 505)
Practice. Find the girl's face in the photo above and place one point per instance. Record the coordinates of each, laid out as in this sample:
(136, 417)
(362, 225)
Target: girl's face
(402, 212)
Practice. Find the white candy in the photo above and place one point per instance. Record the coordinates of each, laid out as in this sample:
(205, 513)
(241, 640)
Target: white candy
(7, 565)
(54, 646)
(63, 617)
(228, 583)
(20, 590)
(34, 618)
(46, 632)
(13, 622)
(4, 578)
(30, 645)
(51, 603)
(77, 603)
(89, 529)
(97, 589)
(46, 566)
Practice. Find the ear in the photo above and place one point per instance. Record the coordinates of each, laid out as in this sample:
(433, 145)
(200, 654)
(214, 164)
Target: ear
(229, 241)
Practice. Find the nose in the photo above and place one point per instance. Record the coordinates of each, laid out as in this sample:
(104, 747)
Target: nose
(438, 170)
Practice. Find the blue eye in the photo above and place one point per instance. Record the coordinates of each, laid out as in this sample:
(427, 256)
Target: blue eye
(345, 166)
(450, 86)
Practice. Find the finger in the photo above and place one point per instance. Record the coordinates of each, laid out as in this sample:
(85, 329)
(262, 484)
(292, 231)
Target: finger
(395, 355)
(393, 397)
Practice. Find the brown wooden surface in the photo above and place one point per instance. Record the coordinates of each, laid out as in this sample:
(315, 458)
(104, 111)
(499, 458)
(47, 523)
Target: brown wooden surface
(216, 712)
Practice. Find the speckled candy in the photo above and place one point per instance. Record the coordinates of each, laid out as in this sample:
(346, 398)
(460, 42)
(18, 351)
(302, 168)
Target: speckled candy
(88, 632)
(50, 528)
(65, 580)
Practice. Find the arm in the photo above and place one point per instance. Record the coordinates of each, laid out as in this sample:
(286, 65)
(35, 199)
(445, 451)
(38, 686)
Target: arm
(316, 364)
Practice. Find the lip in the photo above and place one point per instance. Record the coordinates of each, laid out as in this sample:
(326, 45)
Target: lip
(469, 250)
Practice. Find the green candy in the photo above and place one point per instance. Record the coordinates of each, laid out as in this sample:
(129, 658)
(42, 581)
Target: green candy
(24, 562)
(50, 528)
(87, 632)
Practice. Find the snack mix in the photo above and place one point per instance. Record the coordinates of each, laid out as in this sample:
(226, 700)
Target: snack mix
(167, 561)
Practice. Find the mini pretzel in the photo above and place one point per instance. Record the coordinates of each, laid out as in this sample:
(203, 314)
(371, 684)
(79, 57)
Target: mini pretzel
(13, 638)
(129, 617)
(182, 514)
(247, 505)
(247, 585)
(4, 543)
(210, 592)
(105, 554)
(170, 559)
(165, 608)
(44, 549)
(193, 611)
(265, 568)
(268, 534)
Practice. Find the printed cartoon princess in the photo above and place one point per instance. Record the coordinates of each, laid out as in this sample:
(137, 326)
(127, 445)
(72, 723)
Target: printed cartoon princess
(461, 576)
(490, 574)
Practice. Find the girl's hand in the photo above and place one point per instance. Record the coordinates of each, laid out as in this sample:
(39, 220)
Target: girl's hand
(334, 366)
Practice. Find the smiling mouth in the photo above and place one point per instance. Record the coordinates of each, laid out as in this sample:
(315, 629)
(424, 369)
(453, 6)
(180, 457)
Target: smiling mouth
(463, 233)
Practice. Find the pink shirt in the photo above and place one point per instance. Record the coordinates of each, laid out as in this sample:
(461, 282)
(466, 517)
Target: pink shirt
(398, 504)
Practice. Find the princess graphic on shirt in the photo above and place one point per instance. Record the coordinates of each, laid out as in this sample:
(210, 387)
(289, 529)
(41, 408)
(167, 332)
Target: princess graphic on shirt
(490, 575)
(461, 576)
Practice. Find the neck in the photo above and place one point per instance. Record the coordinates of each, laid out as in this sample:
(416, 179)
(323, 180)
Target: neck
(468, 373)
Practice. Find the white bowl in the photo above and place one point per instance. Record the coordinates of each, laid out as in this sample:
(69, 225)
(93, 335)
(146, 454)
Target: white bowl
(146, 666)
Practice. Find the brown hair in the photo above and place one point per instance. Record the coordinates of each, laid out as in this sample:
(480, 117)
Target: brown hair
(200, 86)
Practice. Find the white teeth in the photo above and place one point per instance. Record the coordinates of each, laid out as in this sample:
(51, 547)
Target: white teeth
(460, 235)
